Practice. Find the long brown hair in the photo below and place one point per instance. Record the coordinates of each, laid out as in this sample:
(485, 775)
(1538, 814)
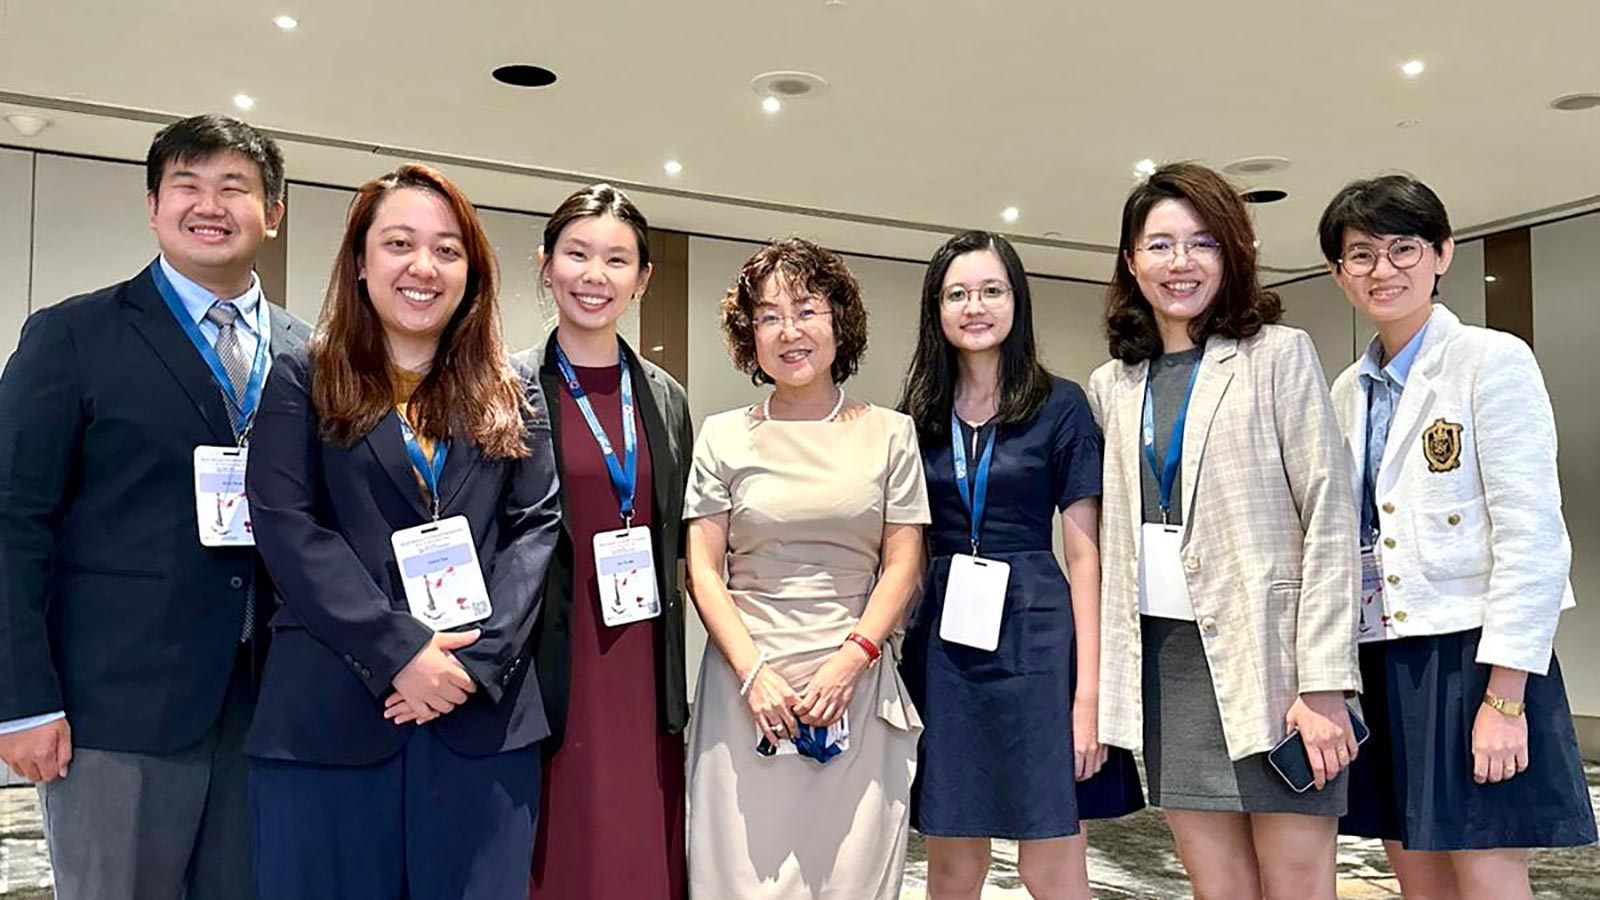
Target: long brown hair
(1241, 306)
(471, 383)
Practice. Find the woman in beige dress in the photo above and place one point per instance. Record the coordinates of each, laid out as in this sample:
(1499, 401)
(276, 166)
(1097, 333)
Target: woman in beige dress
(814, 504)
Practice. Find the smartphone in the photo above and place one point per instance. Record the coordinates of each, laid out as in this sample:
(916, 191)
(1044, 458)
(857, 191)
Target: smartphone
(1292, 763)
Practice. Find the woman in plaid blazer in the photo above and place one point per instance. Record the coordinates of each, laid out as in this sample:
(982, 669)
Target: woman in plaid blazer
(1229, 557)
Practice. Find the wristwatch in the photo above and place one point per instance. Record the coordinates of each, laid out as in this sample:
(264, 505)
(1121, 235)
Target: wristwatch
(1512, 708)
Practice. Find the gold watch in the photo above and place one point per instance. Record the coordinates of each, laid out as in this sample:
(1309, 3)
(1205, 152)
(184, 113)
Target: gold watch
(1512, 708)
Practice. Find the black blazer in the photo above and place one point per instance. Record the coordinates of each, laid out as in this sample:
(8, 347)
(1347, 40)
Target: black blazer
(109, 606)
(664, 409)
(323, 516)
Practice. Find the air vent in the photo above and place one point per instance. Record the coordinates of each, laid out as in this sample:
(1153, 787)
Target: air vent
(1264, 195)
(525, 76)
(788, 85)
(1576, 102)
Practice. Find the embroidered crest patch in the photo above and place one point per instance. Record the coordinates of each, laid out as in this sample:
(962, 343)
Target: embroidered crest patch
(1441, 446)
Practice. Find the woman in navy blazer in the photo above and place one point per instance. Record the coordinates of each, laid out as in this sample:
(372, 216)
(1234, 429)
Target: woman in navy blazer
(392, 760)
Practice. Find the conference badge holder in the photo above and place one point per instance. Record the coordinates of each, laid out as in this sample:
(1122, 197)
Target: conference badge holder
(625, 568)
(439, 567)
(220, 506)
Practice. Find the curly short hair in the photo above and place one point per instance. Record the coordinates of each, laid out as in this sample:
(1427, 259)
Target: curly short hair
(818, 271)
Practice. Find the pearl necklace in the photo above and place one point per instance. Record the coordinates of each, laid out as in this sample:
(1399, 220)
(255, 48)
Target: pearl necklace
(766, 408)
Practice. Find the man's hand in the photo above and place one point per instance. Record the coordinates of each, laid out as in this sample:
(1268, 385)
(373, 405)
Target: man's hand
(40, 753)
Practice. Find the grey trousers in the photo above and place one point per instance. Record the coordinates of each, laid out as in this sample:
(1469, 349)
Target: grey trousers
(176, 826)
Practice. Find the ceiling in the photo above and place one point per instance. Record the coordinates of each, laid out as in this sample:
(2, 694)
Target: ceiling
(937, 114)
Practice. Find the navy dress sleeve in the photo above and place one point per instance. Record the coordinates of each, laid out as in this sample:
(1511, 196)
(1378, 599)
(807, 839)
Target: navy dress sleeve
(1076, 446)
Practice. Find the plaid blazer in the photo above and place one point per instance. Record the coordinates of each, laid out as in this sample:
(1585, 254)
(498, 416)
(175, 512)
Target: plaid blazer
(1270, 536)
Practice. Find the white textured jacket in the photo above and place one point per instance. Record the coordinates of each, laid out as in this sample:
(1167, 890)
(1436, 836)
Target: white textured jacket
(1469, 504)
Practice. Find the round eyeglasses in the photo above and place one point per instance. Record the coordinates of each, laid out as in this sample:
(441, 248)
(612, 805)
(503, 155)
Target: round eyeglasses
(990, 293)
(1402, 253)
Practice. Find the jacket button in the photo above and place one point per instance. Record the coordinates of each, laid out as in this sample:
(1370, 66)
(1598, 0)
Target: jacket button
(236, 582)
(1455, 519)
(1209, 624)
(1192, 563)
(1393, 579)
(1389, 542)
(366, 673)
(1388, 507)
(1399, 615)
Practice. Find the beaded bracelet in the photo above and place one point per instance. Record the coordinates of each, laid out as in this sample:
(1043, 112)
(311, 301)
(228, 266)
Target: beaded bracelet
(744, 689)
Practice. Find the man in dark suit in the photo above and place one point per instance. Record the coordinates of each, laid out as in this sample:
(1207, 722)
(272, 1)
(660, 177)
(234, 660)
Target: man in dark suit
(129, 635)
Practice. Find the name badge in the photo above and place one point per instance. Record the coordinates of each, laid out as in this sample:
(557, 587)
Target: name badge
(220, 506)
(1375, 624)
(974, 601)
(625, 567)
(1163, 592)
(439, 567)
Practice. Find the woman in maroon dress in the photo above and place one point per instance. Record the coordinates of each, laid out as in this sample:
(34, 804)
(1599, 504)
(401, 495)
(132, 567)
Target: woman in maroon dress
(610, 637)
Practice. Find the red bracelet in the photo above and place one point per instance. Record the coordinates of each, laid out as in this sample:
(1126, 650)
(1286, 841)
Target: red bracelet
(866, 646)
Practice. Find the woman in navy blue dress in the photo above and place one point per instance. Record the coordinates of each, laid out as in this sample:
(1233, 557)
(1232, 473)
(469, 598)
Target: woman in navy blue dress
(1010, 747)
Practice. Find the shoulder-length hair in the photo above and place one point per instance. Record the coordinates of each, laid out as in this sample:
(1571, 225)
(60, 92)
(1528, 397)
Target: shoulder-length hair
(1241, 306)
(929, 390)
(471, 383)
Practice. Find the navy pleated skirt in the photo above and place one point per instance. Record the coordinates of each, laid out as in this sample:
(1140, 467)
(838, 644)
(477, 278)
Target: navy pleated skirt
(1412, 781)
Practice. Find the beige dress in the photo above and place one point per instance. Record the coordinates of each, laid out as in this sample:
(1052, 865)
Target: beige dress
(807, 503)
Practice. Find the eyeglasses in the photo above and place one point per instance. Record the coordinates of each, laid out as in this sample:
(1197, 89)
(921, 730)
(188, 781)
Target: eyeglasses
(805, 317)
(1165, 249)
(1403, 253)
(990, 294)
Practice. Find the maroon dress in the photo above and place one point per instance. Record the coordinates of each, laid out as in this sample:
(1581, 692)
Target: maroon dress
(611, 820)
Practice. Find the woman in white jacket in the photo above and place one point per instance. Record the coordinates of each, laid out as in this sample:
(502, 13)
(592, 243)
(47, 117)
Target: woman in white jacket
(1465, 565)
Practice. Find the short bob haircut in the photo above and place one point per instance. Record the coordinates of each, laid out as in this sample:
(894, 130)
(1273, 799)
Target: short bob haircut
(929, 392)
(470, 386)
(1388, 204)
(805, 269)
(1241, 306)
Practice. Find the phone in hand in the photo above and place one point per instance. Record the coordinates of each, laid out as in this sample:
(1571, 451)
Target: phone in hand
(1290, 760)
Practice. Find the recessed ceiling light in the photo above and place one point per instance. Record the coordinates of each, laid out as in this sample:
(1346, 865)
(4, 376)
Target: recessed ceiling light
(1010, 213)
(1144, 168)
(771, 105)
(526, 76)
(27, 124)
(1052, 235)
(1256, 165)
(1490, 279)
(1412, 68)
(1264, 195)
(287, 23)
(244, 101)
(672, 167)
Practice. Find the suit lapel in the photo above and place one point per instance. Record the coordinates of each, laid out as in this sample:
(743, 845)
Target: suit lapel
(390, 449)
(459, 466)
(155, 324)
(1130, 456)
(1216, 373)
(284, 338)
(1355, 411)
(1418, 396)
(550, 383)
(651, 395)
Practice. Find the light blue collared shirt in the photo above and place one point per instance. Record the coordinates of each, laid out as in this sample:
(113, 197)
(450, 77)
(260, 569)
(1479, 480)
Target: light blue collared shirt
(197, 301)
(1383, 386)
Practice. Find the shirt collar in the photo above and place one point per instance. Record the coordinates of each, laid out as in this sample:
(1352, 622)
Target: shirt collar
(1399, 367)
(197, 300)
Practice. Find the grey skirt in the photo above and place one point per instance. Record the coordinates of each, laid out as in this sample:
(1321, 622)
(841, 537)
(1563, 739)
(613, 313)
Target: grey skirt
(1185, 756)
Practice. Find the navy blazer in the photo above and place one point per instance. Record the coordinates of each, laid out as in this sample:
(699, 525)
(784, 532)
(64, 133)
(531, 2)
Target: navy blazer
(110, 609)
(323, 515)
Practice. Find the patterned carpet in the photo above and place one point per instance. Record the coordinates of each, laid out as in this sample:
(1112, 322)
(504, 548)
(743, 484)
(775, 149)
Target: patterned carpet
(1128, 858)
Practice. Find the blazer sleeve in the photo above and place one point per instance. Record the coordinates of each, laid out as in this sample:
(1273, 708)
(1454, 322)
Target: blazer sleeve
(317, 573)
(1515, 433)
(1317, 466)
(41, 436)
(530, 523)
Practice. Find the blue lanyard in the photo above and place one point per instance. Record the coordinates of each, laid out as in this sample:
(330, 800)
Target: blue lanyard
(245, 407)
(1167, 473)
(429, 472)
(973, 497)
(624, 474)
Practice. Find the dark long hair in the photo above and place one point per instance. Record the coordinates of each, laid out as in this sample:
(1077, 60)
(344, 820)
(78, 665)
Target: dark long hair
(1241, 306)
(470, 382)
(598, 200)
(929, 390)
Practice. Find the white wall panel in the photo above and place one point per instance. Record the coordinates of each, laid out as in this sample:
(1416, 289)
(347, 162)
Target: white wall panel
(1566, 330)
(91, 227)
(16, 239)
